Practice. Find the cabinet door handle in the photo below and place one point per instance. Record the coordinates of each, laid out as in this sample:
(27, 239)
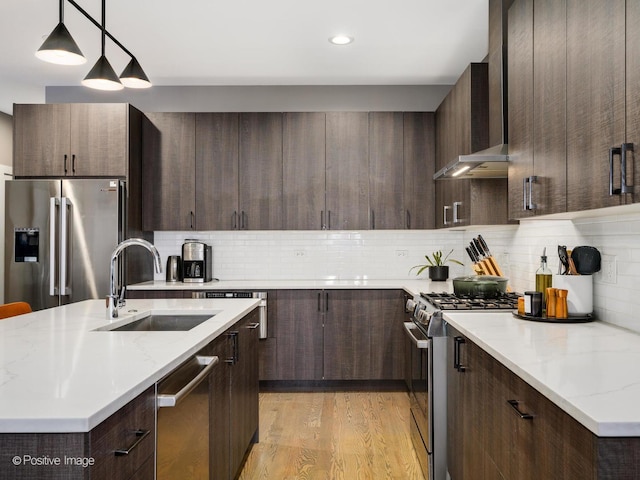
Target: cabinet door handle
(65, 163)
(624, 187)
(328, 219)
(140, 436)
(373, 220)
(322, 225)
(456, 207)
(515, 405)
(444, 214)
(457, 342)
(191, 219)
(253, 326)
(234, 221)
(326, 301)
(233, 359)
(243, 221)
(408, 219)
(527, 184)
(73, 163)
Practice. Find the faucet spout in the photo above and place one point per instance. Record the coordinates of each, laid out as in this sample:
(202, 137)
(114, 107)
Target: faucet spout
(113, 299)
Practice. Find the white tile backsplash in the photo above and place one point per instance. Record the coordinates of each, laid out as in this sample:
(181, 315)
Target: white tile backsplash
(390, 254)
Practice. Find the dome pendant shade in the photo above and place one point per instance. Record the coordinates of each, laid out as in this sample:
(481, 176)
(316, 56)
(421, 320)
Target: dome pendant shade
(134, 77)
(102, 76)
(61, 48)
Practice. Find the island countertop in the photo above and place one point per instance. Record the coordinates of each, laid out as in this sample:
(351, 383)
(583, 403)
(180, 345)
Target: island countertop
(589, 370)
(58, 374)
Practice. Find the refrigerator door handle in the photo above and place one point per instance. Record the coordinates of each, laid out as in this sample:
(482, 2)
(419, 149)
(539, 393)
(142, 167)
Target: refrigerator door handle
(53, 204)
(65, 210)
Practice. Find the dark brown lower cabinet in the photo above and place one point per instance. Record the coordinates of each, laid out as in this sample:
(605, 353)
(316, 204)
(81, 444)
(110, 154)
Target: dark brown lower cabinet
(135, 421)
(363, 336)
(499, 427)
(234, 397)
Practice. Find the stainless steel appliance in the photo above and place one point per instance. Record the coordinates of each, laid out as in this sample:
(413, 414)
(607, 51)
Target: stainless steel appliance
(197, 262)
(262, 308)
(174, 268)
(183, 421)
(427, 375)
(59, 235)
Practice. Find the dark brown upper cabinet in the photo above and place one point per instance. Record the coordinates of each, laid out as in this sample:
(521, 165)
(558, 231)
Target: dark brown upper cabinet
(537, 107)
(217, 171)
(347, 170)
(303, 148)
(386, 170)
(260, 170)
(78, 139)
(573, 103)
(419, 167)
(600, 88)
(461, 125)
(169, 143)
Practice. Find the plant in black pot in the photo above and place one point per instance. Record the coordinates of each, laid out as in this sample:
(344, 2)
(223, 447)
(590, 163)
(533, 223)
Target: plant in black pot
(438, 271)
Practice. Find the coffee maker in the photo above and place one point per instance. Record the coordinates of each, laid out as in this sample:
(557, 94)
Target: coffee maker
(197, 262)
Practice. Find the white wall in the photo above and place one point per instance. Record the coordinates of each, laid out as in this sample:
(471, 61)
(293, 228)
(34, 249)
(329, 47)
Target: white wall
(294, 98)
(308, 255)
(390, 254)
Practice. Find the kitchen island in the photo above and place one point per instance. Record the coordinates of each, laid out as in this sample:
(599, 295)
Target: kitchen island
(58, 374)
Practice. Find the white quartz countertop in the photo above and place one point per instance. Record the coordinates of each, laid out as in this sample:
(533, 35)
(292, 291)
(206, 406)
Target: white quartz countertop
(57, 374)
(590, 370)
(412, 287)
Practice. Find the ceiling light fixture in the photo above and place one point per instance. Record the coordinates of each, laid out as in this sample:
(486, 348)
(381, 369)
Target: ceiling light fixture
(60, 47)
(341, 40)
(102, 76)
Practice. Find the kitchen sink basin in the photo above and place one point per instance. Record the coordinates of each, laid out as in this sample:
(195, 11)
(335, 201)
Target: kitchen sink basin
(161, 323)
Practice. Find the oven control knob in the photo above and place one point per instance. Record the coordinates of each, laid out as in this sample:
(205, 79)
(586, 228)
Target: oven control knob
(411, 305)
(423, 316)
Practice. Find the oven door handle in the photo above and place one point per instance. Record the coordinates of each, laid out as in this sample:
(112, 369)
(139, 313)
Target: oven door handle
(409, 327)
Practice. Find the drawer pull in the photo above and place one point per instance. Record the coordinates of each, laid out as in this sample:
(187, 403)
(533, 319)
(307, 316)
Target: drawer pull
(140, 436)
(514, 404)
(253, 326)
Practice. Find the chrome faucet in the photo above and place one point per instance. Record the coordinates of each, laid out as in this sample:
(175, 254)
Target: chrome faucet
(114, 300)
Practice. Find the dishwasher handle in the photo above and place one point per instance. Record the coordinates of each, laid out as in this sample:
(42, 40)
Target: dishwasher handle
(171, 400)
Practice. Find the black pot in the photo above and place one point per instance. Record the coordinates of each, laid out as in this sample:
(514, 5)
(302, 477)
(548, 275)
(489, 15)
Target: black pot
(439, 273)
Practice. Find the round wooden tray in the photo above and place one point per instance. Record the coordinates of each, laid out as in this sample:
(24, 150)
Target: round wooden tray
(570, 319)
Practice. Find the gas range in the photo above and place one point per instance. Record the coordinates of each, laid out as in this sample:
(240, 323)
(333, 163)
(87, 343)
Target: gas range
(427, 308)
(451, 301)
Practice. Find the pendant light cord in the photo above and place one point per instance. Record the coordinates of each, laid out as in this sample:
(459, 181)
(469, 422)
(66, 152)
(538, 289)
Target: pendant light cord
(104, 28)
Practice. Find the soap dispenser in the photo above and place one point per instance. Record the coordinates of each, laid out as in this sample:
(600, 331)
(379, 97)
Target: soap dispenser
(543, 277)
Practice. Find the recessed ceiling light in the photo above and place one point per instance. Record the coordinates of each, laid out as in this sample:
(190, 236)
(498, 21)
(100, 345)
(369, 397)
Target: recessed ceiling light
(341, 39)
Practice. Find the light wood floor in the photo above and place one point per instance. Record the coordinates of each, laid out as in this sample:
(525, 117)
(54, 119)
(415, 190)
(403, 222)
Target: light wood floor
(333, 435)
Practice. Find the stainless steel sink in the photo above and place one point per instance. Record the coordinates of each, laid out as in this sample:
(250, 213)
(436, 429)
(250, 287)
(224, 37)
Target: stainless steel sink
(161, 323)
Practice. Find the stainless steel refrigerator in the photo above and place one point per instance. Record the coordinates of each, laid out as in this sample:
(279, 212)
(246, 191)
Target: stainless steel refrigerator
(59, 235)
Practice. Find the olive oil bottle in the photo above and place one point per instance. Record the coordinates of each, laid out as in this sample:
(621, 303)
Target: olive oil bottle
(543, 277)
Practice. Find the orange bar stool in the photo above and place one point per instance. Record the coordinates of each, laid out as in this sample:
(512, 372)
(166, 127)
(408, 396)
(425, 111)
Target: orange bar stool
(14, 308)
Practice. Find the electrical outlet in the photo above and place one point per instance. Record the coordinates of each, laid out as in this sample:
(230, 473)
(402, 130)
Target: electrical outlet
(608, 270)
(402, 253)
(299, 253)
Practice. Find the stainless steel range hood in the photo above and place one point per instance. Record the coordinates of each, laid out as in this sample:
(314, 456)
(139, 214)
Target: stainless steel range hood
(490, 163)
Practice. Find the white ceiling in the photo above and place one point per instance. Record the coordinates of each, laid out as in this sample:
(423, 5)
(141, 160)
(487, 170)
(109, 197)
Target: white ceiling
(249, 42)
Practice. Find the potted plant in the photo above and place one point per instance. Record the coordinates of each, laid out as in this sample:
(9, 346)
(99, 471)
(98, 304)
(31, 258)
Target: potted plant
(438, 271)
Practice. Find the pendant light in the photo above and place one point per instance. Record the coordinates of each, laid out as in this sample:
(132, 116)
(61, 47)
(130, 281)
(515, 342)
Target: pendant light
(60, 47)
(102, 76)
(133, 76)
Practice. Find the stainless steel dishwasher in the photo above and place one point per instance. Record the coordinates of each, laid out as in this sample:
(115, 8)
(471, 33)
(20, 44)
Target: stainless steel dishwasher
(183, 421)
